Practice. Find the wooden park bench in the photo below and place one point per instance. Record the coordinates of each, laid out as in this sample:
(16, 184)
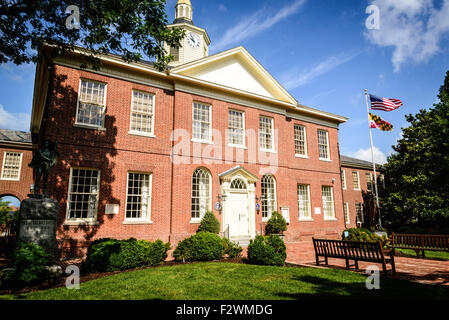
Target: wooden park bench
(353, 250)
(419, 242)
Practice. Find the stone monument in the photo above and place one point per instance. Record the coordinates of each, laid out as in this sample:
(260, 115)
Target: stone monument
(38, 214)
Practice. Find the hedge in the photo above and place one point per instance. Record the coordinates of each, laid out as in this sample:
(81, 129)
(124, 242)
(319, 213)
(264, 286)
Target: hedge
(105, 255)
(267, 250)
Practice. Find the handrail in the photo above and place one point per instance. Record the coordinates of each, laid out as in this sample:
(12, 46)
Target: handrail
(226, 232)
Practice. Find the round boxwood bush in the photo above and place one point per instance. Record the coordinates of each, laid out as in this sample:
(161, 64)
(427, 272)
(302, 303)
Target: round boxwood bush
(231, 249)
(362, 234)
(276, 224)
(203, 246)
(28, 267)
(209, 223)
(267, 250)
(105, 255)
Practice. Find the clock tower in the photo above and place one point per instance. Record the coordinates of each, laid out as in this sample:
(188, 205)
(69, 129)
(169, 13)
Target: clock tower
(195, 44)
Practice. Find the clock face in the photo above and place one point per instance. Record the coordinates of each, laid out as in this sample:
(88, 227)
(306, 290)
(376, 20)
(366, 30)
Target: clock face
(193, 40)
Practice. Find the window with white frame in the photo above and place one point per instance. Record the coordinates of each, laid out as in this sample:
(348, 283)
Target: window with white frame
(323, 144)
(346, 210)
(12, 162)
(328, 202)
(300, 140)
(236, 128)
(355, 180)
(359, 212)
(138, 197)
(142, 112)
(201, 193)
(369, 181)
(202, 124)
(269, 205)
(343, 179)
(266, 133)
(91, 104)
(83, 194)
(305, 212)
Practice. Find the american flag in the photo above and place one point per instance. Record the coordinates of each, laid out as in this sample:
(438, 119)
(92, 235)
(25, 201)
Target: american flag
(384, 104)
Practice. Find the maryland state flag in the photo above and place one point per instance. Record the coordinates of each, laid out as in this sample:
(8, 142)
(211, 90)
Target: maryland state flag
(377, 122)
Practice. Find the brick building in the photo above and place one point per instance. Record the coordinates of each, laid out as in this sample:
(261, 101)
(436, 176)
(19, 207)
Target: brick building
(15, 154)
(358, 190)
(145, 153)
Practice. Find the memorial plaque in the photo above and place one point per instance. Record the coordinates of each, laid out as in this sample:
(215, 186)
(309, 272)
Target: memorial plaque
(37, 222)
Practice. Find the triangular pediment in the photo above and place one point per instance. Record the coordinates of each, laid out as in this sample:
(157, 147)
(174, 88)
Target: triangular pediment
(237, 171)
(235, 69)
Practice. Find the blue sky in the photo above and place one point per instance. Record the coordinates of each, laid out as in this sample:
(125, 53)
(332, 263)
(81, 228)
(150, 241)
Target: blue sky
(321, 51)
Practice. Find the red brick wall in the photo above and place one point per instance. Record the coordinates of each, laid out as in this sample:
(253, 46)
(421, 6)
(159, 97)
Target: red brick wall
(19, 189)
(352, 196)
(115, 152)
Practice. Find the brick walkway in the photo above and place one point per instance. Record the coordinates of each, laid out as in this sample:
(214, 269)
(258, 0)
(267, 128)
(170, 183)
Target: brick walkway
(419, 270)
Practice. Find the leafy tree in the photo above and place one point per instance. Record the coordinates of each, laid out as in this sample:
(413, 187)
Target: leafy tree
(417, 174)
(131, 29)
(4, 212)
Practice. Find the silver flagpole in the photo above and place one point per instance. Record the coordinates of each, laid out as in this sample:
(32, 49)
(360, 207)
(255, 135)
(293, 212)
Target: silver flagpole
(372, 157)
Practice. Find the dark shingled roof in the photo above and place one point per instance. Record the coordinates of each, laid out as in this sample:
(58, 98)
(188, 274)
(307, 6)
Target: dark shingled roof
(354, 162)
(15, 136)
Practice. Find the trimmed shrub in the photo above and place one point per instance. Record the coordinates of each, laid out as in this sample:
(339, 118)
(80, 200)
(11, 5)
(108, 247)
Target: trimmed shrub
(209, 223)
(105, 255)
(267, 250)
(29, 262)
(276, 224)
(203, 246)
(231, 249)
(362, 234)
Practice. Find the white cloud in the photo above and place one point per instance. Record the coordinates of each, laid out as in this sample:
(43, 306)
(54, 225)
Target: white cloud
(413, 27)
(254, 24)
(365, 154)
(294, 79)
(14, 121)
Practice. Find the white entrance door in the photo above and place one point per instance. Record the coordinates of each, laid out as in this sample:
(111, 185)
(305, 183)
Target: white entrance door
(238, 213)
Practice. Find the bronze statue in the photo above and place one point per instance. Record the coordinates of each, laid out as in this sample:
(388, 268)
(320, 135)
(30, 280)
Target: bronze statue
(43, 160)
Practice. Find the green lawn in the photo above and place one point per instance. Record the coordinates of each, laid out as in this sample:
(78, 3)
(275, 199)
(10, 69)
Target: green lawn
(440, 255)
(236, 281)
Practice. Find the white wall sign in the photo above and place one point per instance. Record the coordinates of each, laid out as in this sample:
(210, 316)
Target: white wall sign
(317, 210)
(112, 208)
(285, 211)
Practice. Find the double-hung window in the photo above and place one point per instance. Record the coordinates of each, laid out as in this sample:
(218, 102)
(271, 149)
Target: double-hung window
(83, 194)
(266, 133)
(202, 122)
(138, 198)
(300, 141)
(346, 211)
(323, 145)
(355, 180)
(328, 202)
(236, 128)
(201, 194)
(91, 103)
(359, 211)
(12, 162)
(369, 181)
(269, 204)
(305, 212)
(343, 179)
(142, 113)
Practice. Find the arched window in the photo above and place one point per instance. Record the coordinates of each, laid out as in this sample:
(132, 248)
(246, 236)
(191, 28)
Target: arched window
(238, 184)
(201, 192)
(268, 195)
